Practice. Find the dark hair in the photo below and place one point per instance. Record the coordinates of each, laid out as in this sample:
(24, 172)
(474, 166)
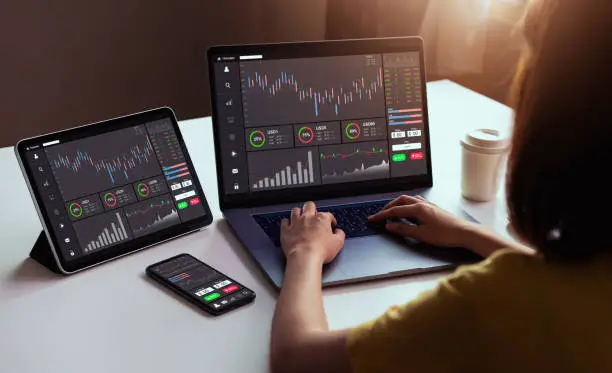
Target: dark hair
(558, 195)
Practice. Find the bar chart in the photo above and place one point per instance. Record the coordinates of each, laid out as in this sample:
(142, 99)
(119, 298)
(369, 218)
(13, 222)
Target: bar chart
(102, 231)
(283, 169)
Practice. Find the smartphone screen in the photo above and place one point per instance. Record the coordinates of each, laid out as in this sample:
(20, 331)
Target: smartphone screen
(199, 283)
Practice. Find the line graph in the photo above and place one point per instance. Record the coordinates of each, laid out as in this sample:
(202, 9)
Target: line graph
(102, 162)
(351, 162)
(315, 89)
(152, 215)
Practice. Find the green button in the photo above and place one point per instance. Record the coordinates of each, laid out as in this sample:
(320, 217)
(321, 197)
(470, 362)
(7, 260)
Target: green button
(398, 157)
(182, 205)
(212, 296)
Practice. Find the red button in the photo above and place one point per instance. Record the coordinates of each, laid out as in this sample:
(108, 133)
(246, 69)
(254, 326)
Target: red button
(229, 289)
(194, 201)
(417, 156)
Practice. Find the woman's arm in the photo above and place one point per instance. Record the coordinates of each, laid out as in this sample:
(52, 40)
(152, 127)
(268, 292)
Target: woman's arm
(485, 242)
(301, 340)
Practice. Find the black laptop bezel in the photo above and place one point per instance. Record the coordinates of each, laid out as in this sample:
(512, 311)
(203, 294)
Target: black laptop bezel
(77, 264)
(319, 49)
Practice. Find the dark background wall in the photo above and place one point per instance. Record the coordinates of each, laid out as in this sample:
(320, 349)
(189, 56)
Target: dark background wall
(69, 62)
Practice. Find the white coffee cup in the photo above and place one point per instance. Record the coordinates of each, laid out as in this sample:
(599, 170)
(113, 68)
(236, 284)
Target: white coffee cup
(484, 152)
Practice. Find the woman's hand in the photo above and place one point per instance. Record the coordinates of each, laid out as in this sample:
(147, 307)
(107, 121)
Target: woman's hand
(434, 225)
(310, 233)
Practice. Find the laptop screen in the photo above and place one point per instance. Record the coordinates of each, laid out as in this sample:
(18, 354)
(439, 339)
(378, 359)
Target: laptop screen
(285, 122)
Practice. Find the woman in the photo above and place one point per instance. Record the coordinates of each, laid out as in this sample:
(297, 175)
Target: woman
(518, 310)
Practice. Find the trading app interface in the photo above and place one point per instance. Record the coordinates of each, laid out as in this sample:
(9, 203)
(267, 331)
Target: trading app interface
(291, 123)
(105, 190)
(202, 282)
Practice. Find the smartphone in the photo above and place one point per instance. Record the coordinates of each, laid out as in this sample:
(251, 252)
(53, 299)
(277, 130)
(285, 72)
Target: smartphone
(200, 284)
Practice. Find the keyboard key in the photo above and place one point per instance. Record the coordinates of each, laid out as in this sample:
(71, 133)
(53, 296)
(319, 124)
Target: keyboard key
(353, 219)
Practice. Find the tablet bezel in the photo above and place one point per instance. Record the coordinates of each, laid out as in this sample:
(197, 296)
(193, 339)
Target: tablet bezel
(95, 258)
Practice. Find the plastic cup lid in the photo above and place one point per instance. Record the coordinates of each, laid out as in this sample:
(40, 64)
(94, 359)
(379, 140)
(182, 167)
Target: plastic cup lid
(487, 138)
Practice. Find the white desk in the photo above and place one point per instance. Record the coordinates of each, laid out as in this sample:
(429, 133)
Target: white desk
(112, 319)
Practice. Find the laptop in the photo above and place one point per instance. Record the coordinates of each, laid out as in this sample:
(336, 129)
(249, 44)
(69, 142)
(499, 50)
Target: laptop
(342, 123)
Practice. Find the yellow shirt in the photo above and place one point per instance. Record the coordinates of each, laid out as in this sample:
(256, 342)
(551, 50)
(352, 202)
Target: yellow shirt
(510, 313)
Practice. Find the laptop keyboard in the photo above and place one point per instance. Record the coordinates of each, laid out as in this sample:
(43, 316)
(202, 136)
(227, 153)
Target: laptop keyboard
(352, 219)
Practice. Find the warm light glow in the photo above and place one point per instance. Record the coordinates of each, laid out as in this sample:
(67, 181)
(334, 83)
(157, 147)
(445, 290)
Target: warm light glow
(500, 9)
(507, 10)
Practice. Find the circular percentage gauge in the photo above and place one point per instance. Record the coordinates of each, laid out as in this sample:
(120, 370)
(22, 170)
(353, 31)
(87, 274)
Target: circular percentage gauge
(257, 139)
(143, 190)
(76, 210)
(110, 199)
(352, 131)
(305, 135)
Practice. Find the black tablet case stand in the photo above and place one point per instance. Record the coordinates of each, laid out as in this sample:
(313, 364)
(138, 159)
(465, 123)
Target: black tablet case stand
(41, 252)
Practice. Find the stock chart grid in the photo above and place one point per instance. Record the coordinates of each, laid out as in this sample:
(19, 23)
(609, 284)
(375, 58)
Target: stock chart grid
(325, 120)
(90, 165)
(287, 91)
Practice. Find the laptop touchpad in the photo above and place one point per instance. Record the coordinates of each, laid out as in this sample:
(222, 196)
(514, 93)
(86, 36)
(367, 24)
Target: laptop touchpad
(377, 255)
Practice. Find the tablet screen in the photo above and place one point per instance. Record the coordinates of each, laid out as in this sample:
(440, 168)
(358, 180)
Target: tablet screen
(112, 188)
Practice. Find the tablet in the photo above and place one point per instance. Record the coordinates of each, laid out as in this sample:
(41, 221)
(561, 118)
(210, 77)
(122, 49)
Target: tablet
(111, 188)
